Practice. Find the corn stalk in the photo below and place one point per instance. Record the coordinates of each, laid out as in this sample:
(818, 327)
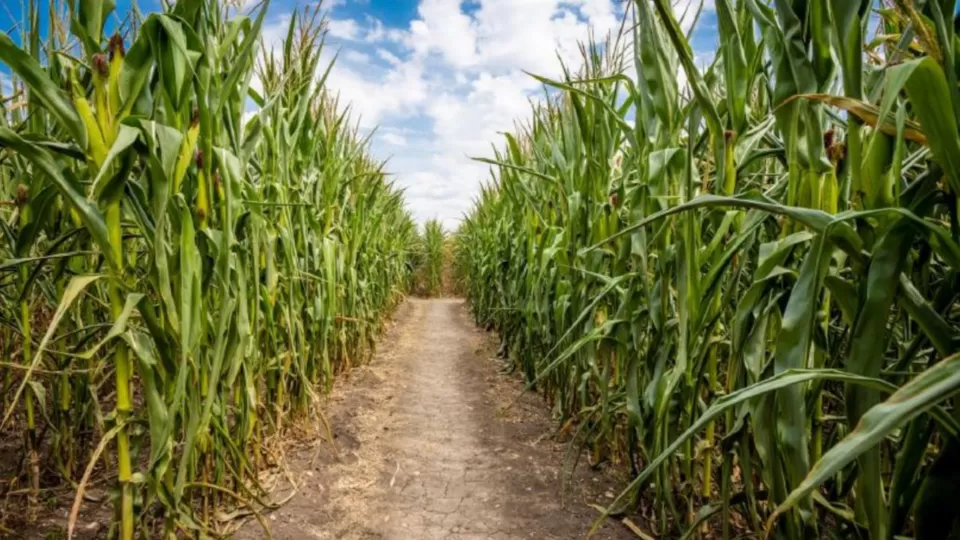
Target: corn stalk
(742, 285)
(196, 241)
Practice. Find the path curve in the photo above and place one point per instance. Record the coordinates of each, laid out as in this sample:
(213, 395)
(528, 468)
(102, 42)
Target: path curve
(427, 451)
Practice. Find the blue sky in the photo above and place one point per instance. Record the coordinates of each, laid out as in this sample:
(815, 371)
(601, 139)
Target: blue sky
(444, 78)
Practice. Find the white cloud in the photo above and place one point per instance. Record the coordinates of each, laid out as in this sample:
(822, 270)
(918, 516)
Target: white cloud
(389, 57)
(346, 29)
(356, 57)
(446, 85)
(396, 92)
(504, 35)
(378, 32)
(392, 138)
(370, 30)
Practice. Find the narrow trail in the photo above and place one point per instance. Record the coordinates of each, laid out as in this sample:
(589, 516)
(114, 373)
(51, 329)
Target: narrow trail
(426, 450)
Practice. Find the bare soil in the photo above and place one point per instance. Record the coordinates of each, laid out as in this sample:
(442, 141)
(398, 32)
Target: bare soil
(428, 450)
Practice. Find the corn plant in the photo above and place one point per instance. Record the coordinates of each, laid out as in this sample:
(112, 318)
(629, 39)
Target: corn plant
(741, 285)
(430, 259)
(179, 278)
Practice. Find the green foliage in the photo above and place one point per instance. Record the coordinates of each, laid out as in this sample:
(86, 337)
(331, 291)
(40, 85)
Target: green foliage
(430, 260)
(178, 276)
(743, 288)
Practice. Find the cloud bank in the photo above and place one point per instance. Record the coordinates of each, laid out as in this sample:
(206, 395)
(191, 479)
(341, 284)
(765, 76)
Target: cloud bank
(444, 84)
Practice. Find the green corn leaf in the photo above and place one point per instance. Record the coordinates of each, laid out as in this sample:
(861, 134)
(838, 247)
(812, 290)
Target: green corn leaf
(43, 89)
(70, 294)
(926, 85)
(774, 384)
(92, 219)
(923, 392)
(866, 358)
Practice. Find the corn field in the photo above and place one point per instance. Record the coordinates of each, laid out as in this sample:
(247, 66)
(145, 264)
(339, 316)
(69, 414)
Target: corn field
(430, 258)
(179, 278)
(738, 279)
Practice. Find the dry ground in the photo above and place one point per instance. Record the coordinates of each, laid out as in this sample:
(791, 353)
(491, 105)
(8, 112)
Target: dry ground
(427, 451)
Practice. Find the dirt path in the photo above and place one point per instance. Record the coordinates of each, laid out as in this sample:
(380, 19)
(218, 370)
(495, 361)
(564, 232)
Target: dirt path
(426, 451)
